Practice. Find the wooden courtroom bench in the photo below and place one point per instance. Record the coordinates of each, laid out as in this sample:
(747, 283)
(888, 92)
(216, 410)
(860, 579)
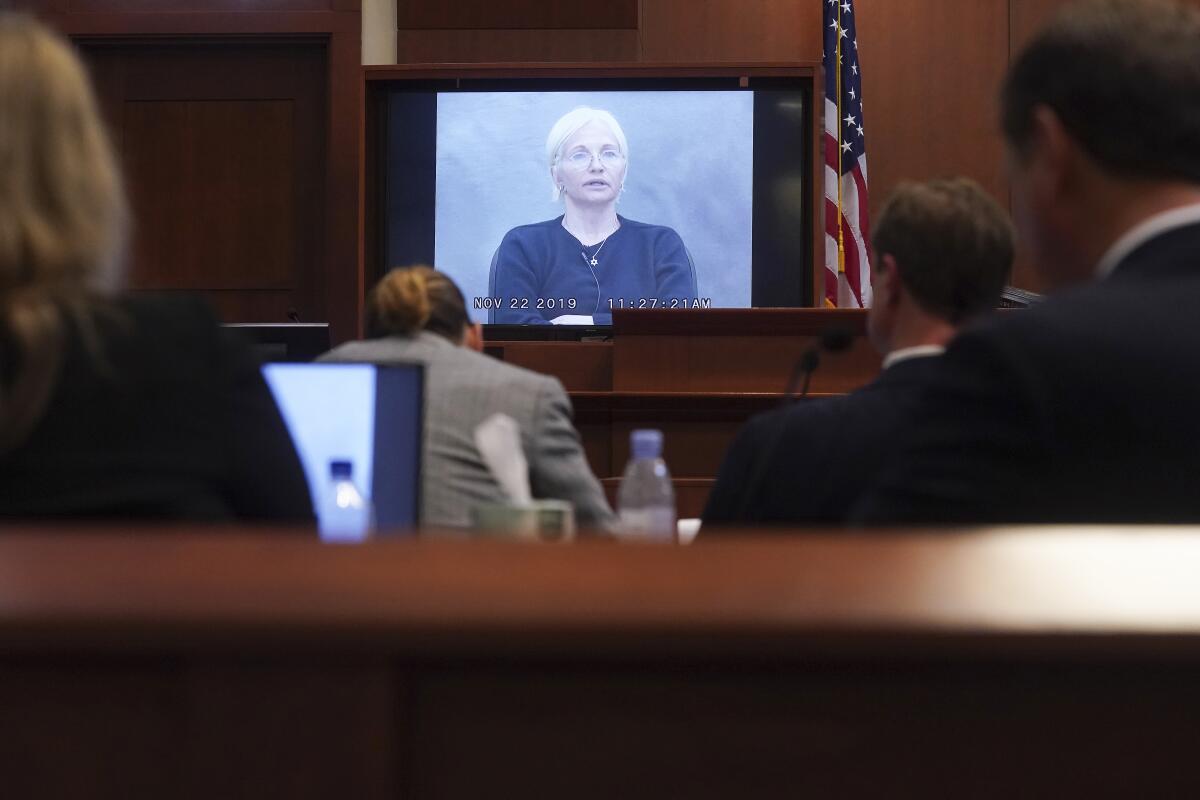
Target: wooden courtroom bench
(187, 663)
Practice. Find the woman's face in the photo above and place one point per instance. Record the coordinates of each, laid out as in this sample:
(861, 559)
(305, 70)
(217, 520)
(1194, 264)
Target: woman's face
(591, 169)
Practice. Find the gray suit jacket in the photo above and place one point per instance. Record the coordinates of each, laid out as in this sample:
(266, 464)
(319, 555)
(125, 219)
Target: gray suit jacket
(462, 389)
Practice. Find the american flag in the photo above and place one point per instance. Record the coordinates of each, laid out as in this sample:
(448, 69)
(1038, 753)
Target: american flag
(847, 222)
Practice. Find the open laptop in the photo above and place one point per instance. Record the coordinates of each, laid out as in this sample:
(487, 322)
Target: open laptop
(370, 416)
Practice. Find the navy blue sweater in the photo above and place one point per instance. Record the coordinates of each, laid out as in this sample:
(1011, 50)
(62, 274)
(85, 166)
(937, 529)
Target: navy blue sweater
(541, 272)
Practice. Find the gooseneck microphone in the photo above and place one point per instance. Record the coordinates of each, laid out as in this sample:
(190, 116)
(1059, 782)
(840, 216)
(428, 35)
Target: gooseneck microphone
(831, 340)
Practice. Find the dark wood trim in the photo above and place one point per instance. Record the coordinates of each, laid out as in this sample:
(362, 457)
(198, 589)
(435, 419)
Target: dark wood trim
(691, 494)
(387, 72)
(683, 404)
(738, 322)
(371, 200)
(344, 249)
(238, 23)
(540, 16)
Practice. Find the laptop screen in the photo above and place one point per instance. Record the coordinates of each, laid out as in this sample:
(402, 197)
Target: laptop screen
(363, 415)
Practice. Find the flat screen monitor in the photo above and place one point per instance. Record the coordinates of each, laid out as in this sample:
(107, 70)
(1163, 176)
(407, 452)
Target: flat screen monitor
(711, 185)
(289, 342)
(367, 415)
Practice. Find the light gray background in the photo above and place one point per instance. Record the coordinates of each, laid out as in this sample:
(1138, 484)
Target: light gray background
(690, 168)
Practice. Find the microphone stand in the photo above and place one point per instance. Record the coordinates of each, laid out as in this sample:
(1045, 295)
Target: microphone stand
(831, 340)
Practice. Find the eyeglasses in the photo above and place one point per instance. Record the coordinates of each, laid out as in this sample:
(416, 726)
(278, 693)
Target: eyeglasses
(582, 159)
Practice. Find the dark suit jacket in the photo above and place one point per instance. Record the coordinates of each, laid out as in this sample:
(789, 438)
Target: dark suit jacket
(1084, 409)
(174, 421)
(809, 463)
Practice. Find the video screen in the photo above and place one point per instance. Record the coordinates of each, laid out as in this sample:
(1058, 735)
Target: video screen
(559, 207)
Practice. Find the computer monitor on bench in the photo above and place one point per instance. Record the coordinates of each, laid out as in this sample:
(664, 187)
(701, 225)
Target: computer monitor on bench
(289, 342)
(370, 416)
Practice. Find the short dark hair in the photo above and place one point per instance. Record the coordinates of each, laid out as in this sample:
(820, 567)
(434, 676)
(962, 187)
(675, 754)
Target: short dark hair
(1123, 76)
(953, 245)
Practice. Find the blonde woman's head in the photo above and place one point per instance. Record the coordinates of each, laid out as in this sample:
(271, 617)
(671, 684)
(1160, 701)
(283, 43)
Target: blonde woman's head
(611, 152)
(63, 214)
(62, 205)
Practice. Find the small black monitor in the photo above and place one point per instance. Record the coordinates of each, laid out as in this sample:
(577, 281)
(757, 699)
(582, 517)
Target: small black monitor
(295, 342)
(367, 417)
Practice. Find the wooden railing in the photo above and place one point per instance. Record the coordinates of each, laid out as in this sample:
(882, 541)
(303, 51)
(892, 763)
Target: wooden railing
(173, 663)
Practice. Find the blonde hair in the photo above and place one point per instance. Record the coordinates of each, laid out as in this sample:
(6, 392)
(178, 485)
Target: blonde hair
(412, 299)
(63, 214)
(568, 125)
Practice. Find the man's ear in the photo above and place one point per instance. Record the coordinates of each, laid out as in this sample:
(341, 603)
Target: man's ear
(886, 288)
(1053, 152)
(474, 337)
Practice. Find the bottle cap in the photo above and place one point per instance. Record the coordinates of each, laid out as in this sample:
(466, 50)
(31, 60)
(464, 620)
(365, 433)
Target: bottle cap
(646, 443)
(340, 469)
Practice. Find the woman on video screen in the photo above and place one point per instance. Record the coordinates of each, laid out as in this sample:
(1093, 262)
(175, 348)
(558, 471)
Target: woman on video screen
(577, 268)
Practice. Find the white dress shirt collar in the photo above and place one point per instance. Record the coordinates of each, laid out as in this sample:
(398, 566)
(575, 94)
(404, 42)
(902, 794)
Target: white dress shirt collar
(1143, 232)
(906, 353)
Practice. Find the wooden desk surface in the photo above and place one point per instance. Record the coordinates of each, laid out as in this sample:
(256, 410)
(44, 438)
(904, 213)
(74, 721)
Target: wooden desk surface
(1043, 591)
(1051, 662)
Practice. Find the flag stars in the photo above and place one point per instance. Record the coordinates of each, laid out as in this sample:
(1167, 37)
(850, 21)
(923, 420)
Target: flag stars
(860, 131)
(854, 68)
(846, 147)
(850, 120)
(846, 7)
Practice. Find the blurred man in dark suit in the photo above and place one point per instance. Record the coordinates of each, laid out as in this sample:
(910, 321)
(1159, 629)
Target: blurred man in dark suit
(1084, 408)
(943, 252)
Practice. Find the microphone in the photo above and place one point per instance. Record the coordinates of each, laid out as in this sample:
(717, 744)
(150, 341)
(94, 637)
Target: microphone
(293, 315)
(831, 340)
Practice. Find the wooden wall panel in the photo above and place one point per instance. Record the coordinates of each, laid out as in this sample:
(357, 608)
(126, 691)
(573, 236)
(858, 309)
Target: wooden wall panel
(483, 46)
(1030, 15)
(516, 14)
(731, 30)
(931, 70)
(270, 196)
(214, 193)
(219, 145)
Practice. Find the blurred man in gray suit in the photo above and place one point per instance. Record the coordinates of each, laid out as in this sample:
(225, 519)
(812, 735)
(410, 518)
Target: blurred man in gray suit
(417, 314)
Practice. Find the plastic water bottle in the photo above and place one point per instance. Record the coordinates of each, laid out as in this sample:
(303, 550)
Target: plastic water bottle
(646, 499)
(347, 516)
